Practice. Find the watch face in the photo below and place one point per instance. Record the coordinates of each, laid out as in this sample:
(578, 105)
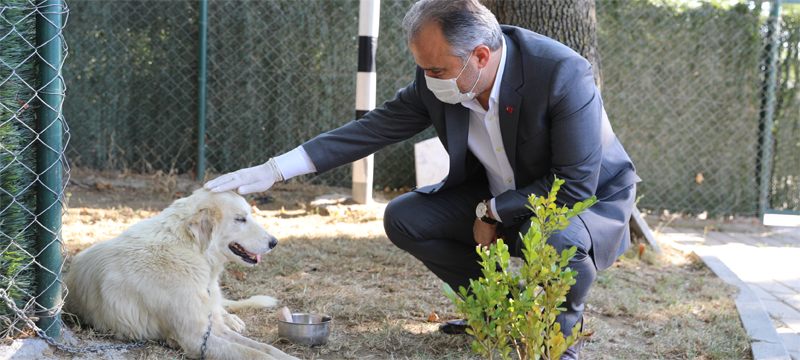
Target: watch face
(480, 210)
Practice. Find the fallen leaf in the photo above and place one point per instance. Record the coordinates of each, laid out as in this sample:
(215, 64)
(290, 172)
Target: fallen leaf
(238, 275)
(433, 317)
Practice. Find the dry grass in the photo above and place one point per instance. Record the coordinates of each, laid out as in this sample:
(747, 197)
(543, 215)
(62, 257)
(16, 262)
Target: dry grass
(666, 306)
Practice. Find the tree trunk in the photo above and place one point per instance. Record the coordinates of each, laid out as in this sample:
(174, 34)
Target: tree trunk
(572, 22)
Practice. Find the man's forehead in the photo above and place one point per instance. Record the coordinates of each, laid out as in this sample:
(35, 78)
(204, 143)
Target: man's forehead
(430, 50)
(431, 63)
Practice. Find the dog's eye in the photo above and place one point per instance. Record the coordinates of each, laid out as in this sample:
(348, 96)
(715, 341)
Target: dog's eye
(241, 219)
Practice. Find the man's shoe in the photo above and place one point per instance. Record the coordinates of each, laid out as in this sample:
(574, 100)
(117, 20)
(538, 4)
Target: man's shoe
(572, 352)
(454, 327)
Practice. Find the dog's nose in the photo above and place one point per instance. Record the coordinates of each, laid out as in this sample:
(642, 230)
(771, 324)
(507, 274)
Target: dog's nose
(273, 242)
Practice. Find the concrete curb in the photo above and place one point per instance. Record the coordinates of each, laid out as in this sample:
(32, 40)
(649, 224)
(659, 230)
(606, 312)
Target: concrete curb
(26, 349)
(766, 344)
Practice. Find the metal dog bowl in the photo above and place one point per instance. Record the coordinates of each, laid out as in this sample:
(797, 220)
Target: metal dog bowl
(306, 329)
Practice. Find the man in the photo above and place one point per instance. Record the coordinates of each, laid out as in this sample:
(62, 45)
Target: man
(514, 109)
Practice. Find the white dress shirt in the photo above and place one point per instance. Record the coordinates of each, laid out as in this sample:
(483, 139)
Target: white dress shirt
(484, 140)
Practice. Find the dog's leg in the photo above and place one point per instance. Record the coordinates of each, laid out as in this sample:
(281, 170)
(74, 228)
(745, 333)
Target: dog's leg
(256, 302)
(190, 334)
(245, 341)
(232, 334)
(188, 330)
(233, 321)
(218, 348)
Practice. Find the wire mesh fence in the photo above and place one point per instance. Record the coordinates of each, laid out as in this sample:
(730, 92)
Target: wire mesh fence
(33, 136)
(683, 92)
(132, 78)
(291, 80)
(682, 85)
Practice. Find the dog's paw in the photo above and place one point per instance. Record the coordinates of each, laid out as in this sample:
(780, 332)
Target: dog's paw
(234, 322)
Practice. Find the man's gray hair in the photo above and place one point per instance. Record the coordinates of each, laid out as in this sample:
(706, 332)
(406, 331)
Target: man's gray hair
(464, 23)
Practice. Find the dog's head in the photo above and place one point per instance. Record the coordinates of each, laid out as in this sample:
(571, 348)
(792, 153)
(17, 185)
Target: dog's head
(224, 226)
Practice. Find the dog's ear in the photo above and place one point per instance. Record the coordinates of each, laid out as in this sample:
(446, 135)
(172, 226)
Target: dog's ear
(201, 225)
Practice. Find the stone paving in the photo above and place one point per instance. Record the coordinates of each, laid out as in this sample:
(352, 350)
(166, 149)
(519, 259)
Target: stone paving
(764, 262)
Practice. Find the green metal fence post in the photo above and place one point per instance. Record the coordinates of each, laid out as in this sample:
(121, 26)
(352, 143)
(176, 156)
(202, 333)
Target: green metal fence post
(201, 98)
(764, 162)
(48, 164)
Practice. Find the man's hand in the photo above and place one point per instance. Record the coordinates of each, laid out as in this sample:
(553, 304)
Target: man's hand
(485, 234)
(253, 179)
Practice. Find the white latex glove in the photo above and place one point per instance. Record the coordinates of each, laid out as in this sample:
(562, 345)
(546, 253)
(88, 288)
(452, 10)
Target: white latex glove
(253, 179)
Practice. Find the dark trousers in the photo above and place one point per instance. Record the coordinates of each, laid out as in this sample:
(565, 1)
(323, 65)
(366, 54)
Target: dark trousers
(437, 230)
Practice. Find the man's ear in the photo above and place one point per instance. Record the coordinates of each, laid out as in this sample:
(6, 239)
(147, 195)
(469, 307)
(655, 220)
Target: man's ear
(482, 53)
(201, 225)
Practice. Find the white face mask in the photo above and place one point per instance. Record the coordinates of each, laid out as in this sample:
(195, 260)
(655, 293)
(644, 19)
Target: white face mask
(446, 90)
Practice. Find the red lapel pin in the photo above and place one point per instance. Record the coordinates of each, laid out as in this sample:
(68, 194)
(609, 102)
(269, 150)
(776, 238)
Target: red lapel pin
(509, 109)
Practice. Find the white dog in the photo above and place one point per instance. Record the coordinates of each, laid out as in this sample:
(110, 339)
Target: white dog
(159, 280)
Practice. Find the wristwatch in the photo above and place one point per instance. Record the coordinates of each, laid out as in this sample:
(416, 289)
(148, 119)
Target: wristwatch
(482, 210)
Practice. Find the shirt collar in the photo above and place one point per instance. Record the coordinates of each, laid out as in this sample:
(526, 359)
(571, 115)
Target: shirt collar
(494, 96)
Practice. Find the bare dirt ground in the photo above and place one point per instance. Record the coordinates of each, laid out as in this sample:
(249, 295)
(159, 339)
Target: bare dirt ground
(666, 306)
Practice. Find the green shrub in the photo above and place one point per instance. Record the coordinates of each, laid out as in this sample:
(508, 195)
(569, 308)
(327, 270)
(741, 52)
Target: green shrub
(509, 312)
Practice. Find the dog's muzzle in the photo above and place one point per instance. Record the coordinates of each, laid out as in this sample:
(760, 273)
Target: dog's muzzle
(246, 256)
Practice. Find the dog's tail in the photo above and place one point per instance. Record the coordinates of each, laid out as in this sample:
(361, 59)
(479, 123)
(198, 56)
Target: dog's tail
(258, 301)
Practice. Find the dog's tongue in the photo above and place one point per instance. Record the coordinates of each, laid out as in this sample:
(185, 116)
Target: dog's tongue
(258, 258)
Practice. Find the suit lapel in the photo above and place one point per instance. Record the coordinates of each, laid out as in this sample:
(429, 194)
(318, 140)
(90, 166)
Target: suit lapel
(457, 125)
(510, 100)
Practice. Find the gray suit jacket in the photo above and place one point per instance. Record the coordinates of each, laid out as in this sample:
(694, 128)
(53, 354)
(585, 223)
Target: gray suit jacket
(552, 124)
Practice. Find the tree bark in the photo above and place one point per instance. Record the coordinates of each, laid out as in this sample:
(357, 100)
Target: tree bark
(572, 22)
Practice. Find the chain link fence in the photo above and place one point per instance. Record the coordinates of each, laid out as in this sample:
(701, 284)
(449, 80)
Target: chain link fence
(132, 79)
(682, 85)
(293, 79)
(682, 88)
(33, 136)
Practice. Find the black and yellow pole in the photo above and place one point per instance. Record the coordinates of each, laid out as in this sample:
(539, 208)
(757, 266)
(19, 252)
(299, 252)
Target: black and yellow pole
(366, 83)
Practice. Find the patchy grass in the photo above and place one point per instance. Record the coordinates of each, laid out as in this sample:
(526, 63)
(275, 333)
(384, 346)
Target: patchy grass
(666, 306)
